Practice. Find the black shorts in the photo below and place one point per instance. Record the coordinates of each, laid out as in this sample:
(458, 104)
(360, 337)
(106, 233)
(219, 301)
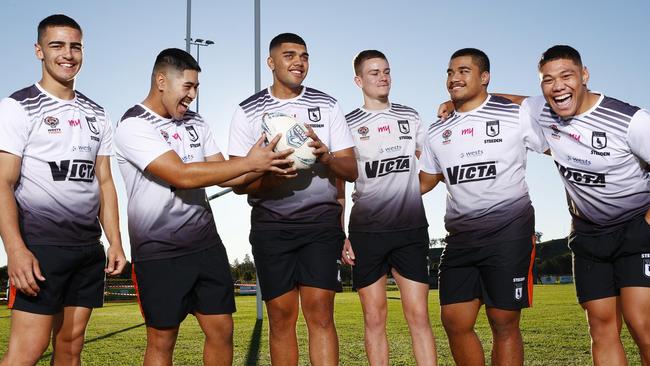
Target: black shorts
(169, 289)
(500, 275)
(74, 276)
(604, 264)
(376, 253)
(286, 258)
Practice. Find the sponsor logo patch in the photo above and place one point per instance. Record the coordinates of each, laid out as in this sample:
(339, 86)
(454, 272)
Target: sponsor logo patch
(379, 168)
(383, 129)
(573, 159)
(74, 122)
(581, 177)
(73, 170)
(467, 131)
(472, 172)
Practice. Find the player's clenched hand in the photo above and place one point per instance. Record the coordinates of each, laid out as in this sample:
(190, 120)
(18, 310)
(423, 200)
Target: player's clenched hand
(347, 254)
(445, 109)
(23, 270)
(116, 260)
(263, 159)
(321, 150)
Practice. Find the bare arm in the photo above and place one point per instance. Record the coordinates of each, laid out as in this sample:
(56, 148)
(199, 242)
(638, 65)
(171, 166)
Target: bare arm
(429, 181)
(347, 254)
(108, 216)
(23, 268)
(170, 168)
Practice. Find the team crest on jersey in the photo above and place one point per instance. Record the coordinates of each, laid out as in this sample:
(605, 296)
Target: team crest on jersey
(314, 114)
(598, 140)
(445, 137)
(404, 126)
(92, 125)
(52, 122)
(192, 132)
(492, 128)
(646, 266)
(165, 135)
(363, 131)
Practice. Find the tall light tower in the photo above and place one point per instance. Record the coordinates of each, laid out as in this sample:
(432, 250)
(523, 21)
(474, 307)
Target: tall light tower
(198, 42)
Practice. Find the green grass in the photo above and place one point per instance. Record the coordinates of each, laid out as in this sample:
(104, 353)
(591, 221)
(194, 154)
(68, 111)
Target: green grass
(554, 331)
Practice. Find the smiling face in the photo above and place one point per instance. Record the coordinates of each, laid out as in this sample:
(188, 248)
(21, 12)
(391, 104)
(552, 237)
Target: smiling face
(374, 78)
(177, 90)
(465, 82)
(564, 85)
(60, 50)
(289, 63)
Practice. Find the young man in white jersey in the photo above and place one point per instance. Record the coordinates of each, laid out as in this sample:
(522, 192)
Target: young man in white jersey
(388, 226)
(480, 153)
(296, 233)
(167, 154)
(55, 190)
(601, 147)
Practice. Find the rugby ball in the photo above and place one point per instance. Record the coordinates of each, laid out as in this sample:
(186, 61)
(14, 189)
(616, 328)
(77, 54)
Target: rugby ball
(294, 136)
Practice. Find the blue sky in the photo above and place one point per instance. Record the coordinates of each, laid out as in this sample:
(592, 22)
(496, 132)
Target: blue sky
(122, 39)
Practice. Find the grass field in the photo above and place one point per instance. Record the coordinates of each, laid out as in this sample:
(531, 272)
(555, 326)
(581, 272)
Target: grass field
(554, 331)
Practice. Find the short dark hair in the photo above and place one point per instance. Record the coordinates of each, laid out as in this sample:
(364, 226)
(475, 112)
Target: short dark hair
(364, 56)
(560, 52)
(56, 20)
(478, 57)
(176, 59)
(286, 38)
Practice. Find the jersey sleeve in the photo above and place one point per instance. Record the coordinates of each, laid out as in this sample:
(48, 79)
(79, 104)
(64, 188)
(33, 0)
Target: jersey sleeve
(106, 145)
(531, 131)
(420, 134)
(638, 135)
(210, 146)
(13, 127)
(139, 143)
(428, 161)
(340, 136)
(241, 137)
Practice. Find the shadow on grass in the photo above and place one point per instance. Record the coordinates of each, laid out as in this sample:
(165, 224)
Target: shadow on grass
(107, 335)
(253, 354)
(393, 298)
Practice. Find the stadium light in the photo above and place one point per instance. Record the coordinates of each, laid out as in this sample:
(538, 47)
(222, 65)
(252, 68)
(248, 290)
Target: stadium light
(199, 42)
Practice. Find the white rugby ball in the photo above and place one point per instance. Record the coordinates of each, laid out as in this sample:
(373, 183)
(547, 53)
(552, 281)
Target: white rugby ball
(294, 136)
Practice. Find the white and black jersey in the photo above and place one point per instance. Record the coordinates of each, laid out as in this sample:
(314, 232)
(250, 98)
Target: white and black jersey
(58, 141)
(309, 200)
(482, 155)
(164, 221)
(387, 192)
(602, 156)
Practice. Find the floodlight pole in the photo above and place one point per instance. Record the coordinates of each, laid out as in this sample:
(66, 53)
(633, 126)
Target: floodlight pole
(188, 27)
(198, 42)
(258, 290)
